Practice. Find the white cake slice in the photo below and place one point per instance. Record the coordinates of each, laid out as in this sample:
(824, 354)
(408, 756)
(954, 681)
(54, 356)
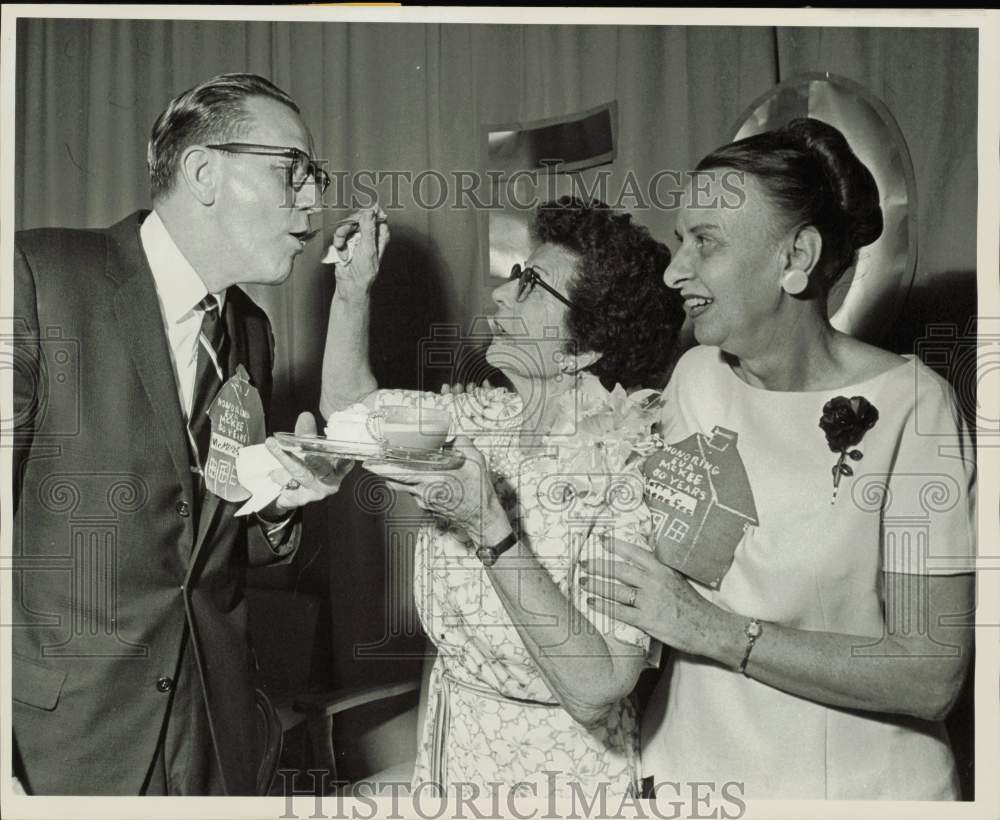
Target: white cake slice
(349, 428)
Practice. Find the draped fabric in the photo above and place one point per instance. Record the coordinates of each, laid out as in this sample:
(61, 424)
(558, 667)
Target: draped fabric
(414, 97)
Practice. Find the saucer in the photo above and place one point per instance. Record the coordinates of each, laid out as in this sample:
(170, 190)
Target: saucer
(444, 459)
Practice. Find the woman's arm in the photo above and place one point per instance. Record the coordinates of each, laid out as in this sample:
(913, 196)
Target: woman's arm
(347, 374)
(916, 671)
(916, 668)
(587, 672)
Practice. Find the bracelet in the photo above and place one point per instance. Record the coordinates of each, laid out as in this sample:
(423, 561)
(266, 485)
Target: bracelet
(753, 631)
(489, 555)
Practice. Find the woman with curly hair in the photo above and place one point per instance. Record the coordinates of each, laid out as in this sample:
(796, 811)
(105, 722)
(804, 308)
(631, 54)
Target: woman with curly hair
(530, 686)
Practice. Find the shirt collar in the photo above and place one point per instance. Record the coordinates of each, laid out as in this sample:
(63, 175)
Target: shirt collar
(179, 286)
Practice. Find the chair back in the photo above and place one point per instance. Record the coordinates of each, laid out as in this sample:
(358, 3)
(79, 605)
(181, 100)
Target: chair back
(269, 739)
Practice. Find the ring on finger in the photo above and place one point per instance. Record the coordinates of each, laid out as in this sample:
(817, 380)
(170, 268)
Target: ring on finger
(292, 484)
(631, 596)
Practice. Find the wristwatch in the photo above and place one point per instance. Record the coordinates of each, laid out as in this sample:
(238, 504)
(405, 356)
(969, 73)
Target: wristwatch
(488, 555)
(753, 631)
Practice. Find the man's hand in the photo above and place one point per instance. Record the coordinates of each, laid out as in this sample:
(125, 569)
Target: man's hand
(307, 479)
(357, 249)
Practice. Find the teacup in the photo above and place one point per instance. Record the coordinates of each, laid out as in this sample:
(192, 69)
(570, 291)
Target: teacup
(410, 428)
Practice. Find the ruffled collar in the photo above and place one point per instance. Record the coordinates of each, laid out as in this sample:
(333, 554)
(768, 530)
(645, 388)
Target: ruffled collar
(592, 428)
(591, 418)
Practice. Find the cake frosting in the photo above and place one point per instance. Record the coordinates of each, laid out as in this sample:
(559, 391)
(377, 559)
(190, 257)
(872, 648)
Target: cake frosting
(350, 428)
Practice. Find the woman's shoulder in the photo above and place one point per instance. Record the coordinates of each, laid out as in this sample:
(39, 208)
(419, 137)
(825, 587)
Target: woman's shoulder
(908, 389)
(906, 373)
(699, 362)
(485, 406)
(702, 375)
(497, 403)
(866, 361)
(396, 396)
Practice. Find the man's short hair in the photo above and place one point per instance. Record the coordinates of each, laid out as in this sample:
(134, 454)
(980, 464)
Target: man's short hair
(213, 111)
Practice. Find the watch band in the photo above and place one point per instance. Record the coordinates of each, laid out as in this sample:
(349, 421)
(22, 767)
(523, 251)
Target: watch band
(489, 555)
(753, 631)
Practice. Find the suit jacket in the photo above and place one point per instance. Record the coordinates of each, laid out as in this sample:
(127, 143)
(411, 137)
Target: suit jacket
(113, 554)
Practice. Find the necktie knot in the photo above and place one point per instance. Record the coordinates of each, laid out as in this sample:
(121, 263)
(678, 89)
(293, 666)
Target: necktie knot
(210, 304)
(212, 328)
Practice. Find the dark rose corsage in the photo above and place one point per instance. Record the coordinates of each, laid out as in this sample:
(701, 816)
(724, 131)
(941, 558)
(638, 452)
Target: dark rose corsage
(845, 422)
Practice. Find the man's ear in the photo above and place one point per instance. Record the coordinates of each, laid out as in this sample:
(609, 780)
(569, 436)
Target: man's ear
(199, 173)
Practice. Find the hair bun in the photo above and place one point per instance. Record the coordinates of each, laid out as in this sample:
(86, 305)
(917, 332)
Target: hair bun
(854, 189)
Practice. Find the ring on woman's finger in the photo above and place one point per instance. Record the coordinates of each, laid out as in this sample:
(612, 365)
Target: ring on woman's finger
(292, 484)
(631, 596)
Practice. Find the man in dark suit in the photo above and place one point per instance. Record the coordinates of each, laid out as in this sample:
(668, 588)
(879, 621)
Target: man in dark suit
(132, 672)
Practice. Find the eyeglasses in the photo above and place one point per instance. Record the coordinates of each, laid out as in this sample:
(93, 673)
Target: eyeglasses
(528, 277)
(298, 171)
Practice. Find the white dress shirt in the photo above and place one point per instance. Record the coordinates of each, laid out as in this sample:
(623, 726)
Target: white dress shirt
(179, 289)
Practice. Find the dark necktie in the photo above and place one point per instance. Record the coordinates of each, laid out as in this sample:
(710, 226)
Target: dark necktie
(209, 376)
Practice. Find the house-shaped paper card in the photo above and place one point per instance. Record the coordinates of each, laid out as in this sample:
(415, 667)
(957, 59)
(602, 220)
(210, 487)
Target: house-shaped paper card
(701, 503)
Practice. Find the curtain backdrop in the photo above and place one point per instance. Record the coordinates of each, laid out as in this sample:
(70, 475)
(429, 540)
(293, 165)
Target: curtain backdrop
(414, 97)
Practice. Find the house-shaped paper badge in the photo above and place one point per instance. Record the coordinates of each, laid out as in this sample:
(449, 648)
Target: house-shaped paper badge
(701, 503)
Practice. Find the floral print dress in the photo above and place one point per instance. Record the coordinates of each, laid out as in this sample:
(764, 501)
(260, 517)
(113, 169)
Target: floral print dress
(491, 716)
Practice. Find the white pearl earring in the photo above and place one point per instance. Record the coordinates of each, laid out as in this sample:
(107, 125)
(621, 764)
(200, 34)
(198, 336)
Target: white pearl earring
(794, 282)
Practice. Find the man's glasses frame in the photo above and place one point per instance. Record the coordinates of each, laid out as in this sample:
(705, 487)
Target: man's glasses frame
(298, 172)
(529, 276)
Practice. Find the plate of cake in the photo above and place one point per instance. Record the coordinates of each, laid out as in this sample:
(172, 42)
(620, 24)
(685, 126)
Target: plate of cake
(415, 436)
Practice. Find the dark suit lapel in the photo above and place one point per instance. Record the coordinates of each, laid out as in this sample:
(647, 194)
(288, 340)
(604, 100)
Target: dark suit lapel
(141, 322)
